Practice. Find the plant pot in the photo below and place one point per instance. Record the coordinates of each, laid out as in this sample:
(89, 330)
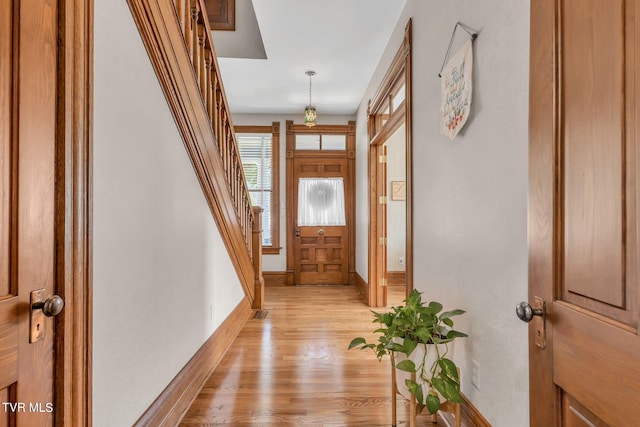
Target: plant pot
(417, 356)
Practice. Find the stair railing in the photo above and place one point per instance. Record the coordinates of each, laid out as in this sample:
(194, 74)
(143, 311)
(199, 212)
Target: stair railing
(176, 32)
(197, 35)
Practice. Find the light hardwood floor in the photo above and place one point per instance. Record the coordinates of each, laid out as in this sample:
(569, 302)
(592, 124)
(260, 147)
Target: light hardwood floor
(293, 368)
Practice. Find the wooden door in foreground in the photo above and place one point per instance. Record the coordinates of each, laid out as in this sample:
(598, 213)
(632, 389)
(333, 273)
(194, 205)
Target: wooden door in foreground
(28, 79)
(583, 213)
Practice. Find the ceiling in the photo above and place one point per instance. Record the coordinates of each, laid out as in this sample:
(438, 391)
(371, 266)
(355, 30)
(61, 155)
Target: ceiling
(341, 40)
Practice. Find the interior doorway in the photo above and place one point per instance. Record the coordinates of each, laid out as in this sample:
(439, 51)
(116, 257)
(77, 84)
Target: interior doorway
(389, 126)
(396, 207)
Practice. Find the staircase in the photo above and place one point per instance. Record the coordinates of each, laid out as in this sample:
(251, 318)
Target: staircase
(177, 36)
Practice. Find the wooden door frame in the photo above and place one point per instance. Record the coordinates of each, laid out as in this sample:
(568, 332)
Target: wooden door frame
(350, 184)
(73, 252)
(399, 73)
(542, 155)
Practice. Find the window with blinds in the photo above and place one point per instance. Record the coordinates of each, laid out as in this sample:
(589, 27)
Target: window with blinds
(256, 154)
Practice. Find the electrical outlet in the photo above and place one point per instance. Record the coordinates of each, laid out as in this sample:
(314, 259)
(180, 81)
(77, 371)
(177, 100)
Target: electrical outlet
(475, 374)
(401, 260)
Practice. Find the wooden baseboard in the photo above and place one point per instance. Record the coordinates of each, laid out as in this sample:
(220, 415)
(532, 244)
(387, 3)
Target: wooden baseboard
(363, 287)
(174, 401)
(396, 278)
(472, 414)
(274, 278)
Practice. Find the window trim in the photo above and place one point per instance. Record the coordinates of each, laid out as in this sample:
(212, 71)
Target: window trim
(274, 130)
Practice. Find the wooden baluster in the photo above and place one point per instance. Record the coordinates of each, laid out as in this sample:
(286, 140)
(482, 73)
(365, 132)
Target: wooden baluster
(195, 14)
(243, 190)
(223, 137)
(256, 255)
(209, 97)
(216, 103)
(216, 109)
(227, 153)
(227, 145)
(202, 66)
(187, 24)
(237, 178)
(249, 222)
(223, 146)
(241, 193)
(190, 23)
(223, 124)
(248, 225)
(232, 161)
(242, 218)
(236, 175)
(232, 178)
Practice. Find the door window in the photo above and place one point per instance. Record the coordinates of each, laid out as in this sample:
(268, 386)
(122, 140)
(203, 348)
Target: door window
(321, 202)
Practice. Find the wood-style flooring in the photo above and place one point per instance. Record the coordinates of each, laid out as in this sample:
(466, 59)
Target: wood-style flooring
(293, 367)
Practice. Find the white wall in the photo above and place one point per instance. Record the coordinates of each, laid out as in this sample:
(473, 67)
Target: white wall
(163, 281)
(470, 195)
(273, 262)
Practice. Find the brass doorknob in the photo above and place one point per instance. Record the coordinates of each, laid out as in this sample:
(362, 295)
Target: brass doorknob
(52, 306)
(321, 231)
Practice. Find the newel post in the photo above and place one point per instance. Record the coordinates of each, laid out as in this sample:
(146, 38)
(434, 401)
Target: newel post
(258, 283)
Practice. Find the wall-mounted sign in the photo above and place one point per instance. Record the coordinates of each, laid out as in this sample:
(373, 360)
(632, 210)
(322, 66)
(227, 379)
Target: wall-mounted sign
(455, 91)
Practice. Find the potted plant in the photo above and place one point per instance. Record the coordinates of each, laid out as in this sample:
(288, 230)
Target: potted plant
(419, 334)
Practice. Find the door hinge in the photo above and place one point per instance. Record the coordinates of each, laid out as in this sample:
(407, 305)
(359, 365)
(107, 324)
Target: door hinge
(383, 282)
(382, 200)
(382, 159)
(383, 241)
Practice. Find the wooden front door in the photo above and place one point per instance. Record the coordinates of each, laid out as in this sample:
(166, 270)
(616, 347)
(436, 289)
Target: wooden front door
(583, 212)
(320, 250)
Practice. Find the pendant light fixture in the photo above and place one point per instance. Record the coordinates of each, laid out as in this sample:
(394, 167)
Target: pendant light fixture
(310, 114)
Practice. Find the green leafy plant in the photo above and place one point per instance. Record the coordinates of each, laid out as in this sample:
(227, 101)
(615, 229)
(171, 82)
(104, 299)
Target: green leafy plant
(406, 327)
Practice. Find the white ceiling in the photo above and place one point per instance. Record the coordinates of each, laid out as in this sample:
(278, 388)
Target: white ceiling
(342, 40)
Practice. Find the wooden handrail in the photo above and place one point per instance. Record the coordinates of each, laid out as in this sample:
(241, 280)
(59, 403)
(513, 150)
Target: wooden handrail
(199, 42)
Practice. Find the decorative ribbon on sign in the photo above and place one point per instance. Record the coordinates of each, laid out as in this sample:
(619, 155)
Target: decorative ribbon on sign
(456, 88)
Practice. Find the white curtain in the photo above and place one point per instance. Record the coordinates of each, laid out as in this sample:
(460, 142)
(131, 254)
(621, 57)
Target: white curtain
(321, 202)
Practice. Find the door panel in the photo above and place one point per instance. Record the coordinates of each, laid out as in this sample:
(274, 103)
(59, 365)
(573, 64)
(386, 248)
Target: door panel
(593, 137)
(27, 200)
(583, 243)
(576, 415)
(322, 255)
